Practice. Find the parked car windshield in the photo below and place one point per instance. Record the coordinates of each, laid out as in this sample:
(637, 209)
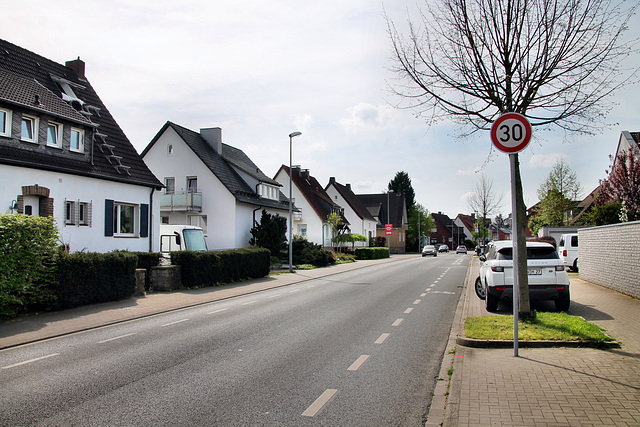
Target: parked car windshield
(532, 253)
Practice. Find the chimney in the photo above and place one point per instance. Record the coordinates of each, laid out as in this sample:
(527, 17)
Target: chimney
(332, 180)
(76, 65)
(213, 137)
(305, 173)
(348, 187)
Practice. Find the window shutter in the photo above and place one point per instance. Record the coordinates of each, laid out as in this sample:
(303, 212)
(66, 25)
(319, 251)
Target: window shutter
(144, 220)
(108, 217)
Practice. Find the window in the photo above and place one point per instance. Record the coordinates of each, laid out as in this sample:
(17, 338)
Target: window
(170, 185)
(77, 213)
(54, 134)
(29, 130)
(5, 122)
(164, 220)
(124, 219)
(268, 191)
(170, 150)
(77, 140)
(192, 184)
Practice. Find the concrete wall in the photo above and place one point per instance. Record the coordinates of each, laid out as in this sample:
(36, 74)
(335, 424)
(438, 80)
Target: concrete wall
(609, 256)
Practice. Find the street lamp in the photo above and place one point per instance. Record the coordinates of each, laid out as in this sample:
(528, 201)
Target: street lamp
(388, 222)
(291, 136)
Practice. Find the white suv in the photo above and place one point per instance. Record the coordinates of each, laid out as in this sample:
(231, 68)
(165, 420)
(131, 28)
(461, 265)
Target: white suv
(568, 250)
(548, 279)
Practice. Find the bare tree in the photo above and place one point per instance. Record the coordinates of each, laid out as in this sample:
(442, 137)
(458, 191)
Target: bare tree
(554, 61)
(485, 201)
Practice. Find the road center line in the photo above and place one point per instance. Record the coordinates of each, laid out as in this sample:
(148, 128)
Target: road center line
(218, 311)
(424, 294)
(249, 302)
(274, 296)
(115, 338)
(408, 310)
(358, 363)
(397, 322)
(30, 361)
(174, 323)
(319, 403)
(382, 338)
(416, 302)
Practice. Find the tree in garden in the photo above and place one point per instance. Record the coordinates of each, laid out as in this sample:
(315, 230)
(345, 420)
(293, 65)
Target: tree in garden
(401, 184)
(336, 222)
(554, 61)
(270, 233)
(558, 194)
(623, 184)
(485, 201)
(420, 225)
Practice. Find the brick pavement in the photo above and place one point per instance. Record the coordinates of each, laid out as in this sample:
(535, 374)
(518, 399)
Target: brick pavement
(550, 386)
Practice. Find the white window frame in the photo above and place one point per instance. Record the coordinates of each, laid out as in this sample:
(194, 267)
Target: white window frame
(34, 128)
(80, 148)
(58, 134)
(70, 212)
(77, 213)
(166, 186)
(7, 123)
(117, 210)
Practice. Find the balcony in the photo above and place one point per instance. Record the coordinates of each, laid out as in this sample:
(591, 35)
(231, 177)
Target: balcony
(181, 201)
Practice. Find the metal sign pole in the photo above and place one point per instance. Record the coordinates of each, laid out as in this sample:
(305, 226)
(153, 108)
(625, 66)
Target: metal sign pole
(514, 240)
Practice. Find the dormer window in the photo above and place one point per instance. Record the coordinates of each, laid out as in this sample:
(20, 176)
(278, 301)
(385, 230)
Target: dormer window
(268, 191)
(54, 134)
(29, 130)
(77, 140)
(5, 122)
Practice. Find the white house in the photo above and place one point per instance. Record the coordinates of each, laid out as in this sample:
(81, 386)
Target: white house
(313, 205)
(360, 219)
(63, 155)
(211, 184)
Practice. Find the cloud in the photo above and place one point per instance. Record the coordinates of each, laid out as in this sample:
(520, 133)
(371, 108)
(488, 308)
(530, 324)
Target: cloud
(365, 116)
(544, 160)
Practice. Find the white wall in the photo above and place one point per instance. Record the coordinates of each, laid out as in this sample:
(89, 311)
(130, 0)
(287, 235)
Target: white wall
(72, 187)
(356, 224)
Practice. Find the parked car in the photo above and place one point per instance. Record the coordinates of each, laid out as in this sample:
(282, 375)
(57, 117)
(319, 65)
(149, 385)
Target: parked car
(429, 250)
(548, 279)
(568, 250)
(461, 249)
(443, 248)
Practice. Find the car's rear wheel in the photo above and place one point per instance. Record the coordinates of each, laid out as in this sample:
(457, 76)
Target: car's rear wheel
(563, 302)
(575, 265)
(491, 302)
(480, 289)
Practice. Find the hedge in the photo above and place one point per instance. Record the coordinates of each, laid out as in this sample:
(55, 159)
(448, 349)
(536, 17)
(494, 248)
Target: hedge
(201, 269)
(91, 278)
(27, 263)
(371, 253)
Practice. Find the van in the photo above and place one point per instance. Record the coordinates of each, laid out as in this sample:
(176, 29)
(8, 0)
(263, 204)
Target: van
(568, 250)
(181, 238)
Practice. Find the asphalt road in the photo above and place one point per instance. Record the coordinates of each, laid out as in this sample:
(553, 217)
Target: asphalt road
(358, 348)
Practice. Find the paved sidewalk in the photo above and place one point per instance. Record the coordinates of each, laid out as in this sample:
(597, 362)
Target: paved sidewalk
(546, 386)
(33, 328)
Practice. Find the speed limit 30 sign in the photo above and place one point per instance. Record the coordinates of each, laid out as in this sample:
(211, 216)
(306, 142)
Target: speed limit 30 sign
(511, 133)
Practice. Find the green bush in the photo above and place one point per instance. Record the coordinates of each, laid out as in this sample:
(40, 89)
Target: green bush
(91, 278)
(27, 263)
(371, 253)
(201, 269)
(305, 252)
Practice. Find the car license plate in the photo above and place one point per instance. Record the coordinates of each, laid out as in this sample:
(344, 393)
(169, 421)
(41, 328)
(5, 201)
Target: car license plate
(534, 271)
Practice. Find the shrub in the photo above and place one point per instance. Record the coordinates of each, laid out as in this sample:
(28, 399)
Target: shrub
(305, 252)
(27, 263)
(197, 269)
(372, 253)
(91, 278)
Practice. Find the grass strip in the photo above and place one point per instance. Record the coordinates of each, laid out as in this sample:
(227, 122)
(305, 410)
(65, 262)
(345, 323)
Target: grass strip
(545, 327)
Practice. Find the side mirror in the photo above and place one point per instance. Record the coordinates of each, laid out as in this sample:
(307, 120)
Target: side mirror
(483, 258)
(178, 241)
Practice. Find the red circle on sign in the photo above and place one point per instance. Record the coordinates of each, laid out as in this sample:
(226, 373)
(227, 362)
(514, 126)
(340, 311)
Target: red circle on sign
(511, 133)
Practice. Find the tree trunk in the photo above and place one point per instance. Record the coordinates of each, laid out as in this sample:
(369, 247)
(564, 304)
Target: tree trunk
(524, 305)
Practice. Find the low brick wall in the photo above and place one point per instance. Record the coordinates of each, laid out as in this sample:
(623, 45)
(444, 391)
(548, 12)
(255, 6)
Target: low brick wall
(165, 278)
(609, 256)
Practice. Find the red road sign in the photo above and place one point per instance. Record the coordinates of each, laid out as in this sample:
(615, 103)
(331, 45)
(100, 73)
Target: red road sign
(511, 133)
(388, 229)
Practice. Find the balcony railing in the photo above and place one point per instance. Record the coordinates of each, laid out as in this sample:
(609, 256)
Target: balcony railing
(181, 201)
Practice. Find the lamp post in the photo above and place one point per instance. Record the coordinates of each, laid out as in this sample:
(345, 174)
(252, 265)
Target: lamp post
(291, 136)
(389, 222)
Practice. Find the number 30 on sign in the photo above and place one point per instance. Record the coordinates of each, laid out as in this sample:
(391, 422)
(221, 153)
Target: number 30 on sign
(511, 133)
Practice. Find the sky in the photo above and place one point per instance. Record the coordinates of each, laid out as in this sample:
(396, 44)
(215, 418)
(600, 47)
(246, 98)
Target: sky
(261, 70)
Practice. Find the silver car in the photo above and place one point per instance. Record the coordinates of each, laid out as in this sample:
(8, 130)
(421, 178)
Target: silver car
(429, 250)
(548, 279)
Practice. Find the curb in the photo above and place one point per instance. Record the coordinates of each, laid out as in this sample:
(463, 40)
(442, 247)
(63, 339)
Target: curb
(476, 343)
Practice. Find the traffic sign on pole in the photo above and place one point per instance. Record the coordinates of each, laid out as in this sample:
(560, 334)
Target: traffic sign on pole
(511, 133)
(388, 229)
